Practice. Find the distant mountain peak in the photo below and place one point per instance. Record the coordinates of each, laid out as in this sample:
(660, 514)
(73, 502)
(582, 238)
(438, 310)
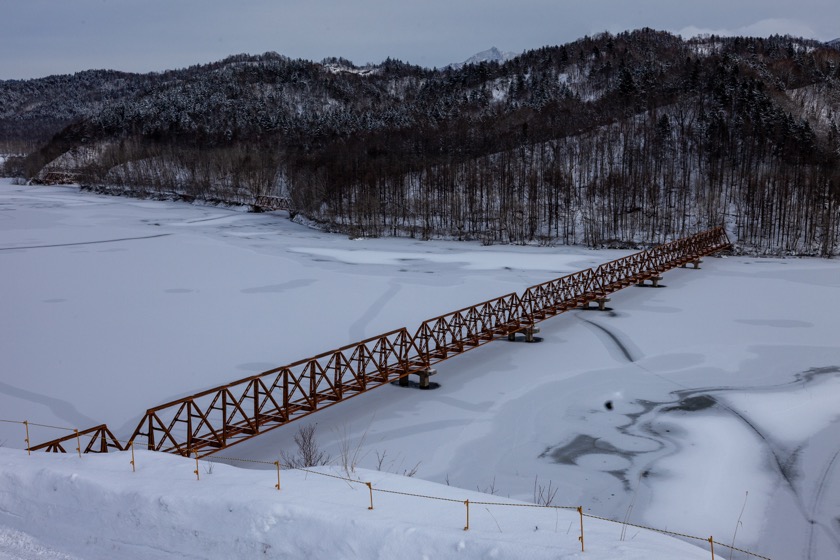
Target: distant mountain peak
(834, 43)
(490, 55)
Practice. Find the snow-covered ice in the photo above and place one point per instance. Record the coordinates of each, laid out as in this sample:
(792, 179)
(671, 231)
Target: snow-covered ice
(720, 385)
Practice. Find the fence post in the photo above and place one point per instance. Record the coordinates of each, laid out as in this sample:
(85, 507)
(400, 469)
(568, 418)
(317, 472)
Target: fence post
(197, 477)
(467, 503)
(370, 489)
(277, 464)
(26, 423)
(712, 545)
(133, 468)
(78, 443)
(580, 511)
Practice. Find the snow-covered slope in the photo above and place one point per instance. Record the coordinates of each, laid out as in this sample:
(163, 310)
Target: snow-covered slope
(95, 508)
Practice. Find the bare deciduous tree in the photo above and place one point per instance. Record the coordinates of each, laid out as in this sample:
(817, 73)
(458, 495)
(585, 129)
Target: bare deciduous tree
(308, 453)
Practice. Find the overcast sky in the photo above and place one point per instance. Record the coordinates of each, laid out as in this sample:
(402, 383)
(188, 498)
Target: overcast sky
(43, 37)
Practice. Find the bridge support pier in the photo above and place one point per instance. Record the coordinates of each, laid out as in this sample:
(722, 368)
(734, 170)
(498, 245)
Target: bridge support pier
(424, 375)
(529, 333)
(695, 263)
(602, 303)
(654, 281)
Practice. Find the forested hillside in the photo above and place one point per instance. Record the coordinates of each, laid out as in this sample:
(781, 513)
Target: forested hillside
(634, 138)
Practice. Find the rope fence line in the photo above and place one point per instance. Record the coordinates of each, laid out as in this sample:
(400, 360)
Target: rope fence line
(23, 422)
(130, 446)
(579, 509)
(51, 427)
(245, 460)
(523, 505)
(741, 550)
(683, 535)
(397, 492)
(27, 424)
(674, 533)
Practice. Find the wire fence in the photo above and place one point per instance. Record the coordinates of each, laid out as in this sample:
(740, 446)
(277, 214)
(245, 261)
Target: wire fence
(129, 445)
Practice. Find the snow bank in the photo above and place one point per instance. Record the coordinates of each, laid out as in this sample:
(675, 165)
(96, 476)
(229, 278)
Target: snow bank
(63, 507)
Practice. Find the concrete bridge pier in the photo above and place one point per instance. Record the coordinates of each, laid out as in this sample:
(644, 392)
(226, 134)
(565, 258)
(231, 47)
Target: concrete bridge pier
(695, 263)
(602, 303)
(654, 281)
(529, 332)
(424, 375)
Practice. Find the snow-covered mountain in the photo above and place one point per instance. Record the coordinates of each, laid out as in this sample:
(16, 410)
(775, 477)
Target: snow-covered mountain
(490, 55)
(551, 119)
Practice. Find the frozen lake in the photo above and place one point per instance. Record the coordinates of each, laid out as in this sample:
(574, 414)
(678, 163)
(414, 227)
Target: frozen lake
(688, 408)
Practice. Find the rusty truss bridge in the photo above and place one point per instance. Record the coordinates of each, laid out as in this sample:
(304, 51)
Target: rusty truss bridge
(206, 422)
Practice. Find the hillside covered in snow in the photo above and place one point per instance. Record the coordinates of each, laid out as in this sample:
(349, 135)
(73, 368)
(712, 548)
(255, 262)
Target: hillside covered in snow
(96, 508)
(612, 140)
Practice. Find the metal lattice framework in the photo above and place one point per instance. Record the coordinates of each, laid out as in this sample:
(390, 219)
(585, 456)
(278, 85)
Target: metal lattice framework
(217, 418)
(99, 440)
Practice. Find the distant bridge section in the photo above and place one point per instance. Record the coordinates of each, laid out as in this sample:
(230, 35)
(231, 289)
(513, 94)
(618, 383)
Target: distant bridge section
(215, 419)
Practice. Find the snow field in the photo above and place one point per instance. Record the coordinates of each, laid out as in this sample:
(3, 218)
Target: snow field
(96, 508)
(721, 384)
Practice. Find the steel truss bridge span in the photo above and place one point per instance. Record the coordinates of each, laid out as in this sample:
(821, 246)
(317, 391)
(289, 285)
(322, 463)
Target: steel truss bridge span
(217, 418)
